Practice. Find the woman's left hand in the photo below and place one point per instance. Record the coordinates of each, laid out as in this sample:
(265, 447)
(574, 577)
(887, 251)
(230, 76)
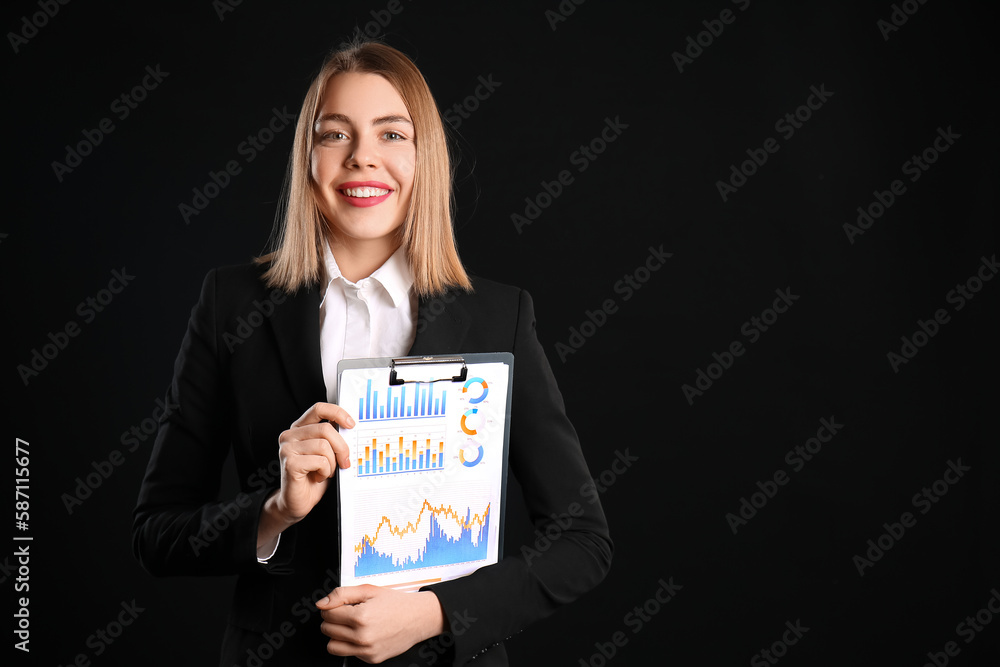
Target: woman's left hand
(375, 623)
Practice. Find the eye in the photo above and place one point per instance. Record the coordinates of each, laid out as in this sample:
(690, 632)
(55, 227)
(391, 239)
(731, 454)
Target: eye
(393, 136)
(335, 135)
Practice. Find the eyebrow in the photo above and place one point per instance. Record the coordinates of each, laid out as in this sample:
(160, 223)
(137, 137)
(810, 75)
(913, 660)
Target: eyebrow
(381, 120)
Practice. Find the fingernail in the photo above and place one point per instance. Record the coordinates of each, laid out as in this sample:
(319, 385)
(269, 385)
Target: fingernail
(323, 601)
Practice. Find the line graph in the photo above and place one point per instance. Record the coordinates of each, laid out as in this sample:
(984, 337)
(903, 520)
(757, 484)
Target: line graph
(439, 536)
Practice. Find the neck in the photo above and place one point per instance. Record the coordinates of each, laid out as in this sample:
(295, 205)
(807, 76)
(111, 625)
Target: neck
(359, 259)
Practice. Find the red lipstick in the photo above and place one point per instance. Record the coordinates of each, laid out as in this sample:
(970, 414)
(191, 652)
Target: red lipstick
(363, 202)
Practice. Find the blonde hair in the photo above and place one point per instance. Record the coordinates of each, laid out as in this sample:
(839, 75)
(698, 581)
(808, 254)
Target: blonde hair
(427, 233)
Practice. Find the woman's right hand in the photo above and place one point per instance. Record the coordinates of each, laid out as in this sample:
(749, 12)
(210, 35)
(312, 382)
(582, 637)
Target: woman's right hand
(310, 451)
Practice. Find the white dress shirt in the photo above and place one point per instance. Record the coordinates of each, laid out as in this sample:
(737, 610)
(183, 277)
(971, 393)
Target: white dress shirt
(374, 317)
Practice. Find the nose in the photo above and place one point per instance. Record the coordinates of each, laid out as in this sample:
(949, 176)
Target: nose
(364, 153)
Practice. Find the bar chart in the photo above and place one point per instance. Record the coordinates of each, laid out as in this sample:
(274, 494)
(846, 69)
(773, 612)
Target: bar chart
(405, 401)
(379, 453)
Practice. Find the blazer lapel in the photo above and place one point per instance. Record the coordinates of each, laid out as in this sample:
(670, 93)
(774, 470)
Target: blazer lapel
(296, 328)
(442, 323)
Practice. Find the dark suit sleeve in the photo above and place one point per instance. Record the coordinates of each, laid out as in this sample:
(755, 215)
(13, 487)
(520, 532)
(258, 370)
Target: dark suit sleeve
(180, 526)
(572, 553)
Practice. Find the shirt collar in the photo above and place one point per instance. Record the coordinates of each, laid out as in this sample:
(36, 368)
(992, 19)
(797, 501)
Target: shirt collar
(394, 276)
(332, 270)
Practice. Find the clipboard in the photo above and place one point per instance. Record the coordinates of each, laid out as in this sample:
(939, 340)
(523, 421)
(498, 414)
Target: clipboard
(425, 497)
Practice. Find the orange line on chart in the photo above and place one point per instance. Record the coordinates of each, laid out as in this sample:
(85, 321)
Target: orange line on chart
(412, 528)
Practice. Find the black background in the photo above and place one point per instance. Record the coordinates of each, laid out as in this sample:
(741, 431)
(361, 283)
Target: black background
(654, 186)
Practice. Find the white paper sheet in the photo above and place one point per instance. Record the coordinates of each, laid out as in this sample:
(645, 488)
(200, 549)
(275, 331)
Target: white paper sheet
(422, 500)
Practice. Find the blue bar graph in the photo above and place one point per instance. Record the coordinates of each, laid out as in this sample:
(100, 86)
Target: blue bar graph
(372, 407)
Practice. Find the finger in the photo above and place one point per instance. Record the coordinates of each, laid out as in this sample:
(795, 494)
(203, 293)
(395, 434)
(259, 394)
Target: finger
(347, 615)
(311, 440)
(302, 465)
(339, 632)
(329, 411)
(318, 439)
(338, 445)
(347, 595)
(335, 647)
(315, 447)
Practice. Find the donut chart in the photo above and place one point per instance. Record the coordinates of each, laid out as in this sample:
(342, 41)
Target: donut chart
(466, 415)
(466, 462)
(479, 381)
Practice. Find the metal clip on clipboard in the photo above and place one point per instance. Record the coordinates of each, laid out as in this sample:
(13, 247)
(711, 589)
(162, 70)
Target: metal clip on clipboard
(416, 369)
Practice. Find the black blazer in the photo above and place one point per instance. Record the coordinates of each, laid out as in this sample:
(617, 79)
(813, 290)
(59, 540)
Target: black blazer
(248, 367)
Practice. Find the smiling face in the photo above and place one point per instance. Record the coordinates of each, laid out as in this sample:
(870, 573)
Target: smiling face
(362, 161)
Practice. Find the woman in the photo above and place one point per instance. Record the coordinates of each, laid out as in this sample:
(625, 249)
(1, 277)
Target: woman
(365, 265)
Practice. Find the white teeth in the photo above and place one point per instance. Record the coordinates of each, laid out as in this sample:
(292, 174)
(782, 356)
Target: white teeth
(365, 192)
